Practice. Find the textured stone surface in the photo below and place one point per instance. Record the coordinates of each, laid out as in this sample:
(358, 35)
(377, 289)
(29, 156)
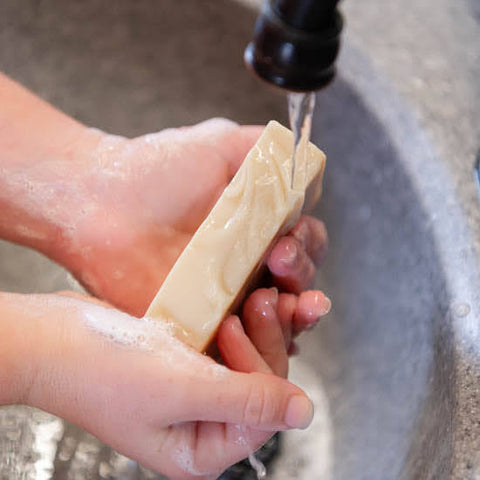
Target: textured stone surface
(398, 357)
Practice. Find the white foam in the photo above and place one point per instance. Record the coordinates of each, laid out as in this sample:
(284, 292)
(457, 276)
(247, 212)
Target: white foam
(183, 454)
(123, 329)
(183, 457)
(151, 335)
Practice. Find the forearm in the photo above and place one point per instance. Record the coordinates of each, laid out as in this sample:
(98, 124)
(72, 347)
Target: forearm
(50, 360)
(31, 128)
(38, 144)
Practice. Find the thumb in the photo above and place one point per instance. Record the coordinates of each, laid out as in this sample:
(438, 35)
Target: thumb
(257, 400)
(231, 141)
(238, 143)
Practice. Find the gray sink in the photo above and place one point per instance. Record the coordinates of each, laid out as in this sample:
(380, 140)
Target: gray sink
(394, 370)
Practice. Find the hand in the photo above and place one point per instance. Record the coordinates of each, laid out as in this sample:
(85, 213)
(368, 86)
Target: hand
(139, 202)
(117, 212)
(271, 322)
(152, 398)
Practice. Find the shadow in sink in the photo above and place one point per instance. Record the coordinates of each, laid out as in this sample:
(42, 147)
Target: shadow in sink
(379, 367)
(383, 354)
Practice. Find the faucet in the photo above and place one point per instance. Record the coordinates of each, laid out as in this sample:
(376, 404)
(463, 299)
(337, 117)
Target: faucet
(295, 43)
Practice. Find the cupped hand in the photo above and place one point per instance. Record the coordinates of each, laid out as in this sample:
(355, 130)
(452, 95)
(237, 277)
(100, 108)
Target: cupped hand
(142, 199)
(152, 398)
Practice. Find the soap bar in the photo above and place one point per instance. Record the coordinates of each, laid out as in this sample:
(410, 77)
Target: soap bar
(213, 273)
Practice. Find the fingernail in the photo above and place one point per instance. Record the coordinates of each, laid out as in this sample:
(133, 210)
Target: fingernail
(274, 292)
(321, 306)
(299, 412)
(269, 305)
(236, 324)
(291, 255)
(326, 306)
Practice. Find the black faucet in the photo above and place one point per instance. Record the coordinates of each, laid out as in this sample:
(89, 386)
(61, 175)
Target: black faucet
(295, 43)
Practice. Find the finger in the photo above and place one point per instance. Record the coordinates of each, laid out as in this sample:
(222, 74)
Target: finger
(291, 267)
(262, 401)
(208, 448)
(311, 306)
(227, 444)
(287, 304)
(299, 313)
(73, 294)
(312, 236)
(239, 143)
(263, 328)
(83, 296)
(237, 350)
(209, 129)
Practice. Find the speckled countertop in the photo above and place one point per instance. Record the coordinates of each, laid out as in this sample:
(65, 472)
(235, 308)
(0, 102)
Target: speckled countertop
(429, 51)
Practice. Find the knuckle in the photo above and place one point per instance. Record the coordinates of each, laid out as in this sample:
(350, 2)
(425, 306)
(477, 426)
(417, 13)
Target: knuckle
(257, 409)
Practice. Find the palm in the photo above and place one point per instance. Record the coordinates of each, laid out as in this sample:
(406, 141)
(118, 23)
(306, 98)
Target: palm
(154, 193)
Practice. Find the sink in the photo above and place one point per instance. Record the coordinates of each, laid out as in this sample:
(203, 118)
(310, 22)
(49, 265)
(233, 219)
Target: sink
(394, 370)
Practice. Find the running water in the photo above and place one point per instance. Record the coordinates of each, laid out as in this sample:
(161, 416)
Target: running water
(300, 111)
(258, 466)
(255, 463)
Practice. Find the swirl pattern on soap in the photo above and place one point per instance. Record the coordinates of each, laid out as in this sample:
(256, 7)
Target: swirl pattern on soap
(253, 209)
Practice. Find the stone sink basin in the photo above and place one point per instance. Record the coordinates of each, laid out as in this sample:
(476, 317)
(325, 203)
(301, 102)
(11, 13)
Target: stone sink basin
(394, 370)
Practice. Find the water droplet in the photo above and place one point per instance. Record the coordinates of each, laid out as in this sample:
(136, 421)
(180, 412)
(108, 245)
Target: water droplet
(461, 309)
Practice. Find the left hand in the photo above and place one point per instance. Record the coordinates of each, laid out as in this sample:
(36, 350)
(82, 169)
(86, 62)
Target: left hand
(152, 398)
(143, 198)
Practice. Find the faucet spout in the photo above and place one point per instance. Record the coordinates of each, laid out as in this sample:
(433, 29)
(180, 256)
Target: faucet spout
(295, 43)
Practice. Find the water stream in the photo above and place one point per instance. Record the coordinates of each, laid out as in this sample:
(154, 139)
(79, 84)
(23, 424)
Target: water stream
(258, 466)
(300, 112)
(254, 461)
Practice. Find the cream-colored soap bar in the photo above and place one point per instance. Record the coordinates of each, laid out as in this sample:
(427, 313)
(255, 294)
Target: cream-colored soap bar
(213, 272)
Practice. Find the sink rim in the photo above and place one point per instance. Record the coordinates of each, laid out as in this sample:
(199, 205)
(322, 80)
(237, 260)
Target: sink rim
(454, 239)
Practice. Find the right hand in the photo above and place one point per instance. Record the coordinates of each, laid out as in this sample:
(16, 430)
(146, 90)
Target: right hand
(128, 208)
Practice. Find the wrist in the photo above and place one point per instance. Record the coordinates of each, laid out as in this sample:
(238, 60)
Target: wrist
(42, 156)
(17, 351)
(40, 196)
